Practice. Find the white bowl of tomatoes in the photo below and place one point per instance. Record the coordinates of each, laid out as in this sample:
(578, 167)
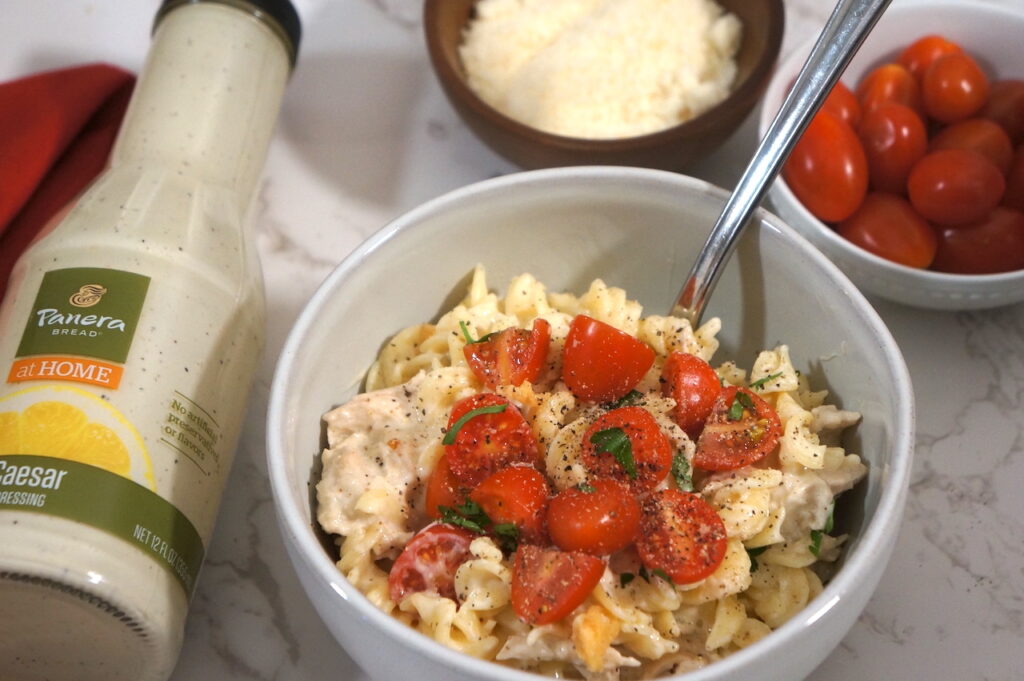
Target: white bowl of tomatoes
(911, 178)
(635, 229)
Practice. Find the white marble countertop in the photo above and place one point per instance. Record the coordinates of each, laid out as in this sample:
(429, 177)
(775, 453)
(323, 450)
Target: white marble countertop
(366, 134)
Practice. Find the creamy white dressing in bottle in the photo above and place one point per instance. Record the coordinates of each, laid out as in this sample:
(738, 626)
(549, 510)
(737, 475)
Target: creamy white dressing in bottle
(128, 340)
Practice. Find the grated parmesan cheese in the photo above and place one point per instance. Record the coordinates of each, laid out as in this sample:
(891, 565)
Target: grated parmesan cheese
(601, 68)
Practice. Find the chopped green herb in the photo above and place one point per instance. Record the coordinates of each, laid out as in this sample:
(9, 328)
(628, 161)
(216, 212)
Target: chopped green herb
(739, 403)
(586, 487)
(469, 338)
(468, 515)
(753, 554)
(658, 572)
(830, 521)
(815, 546)
(625, 578)
(628, 400)
(760, 383)
(616, 442)
(449, 437)
(507, 535)
(643, 573)
(681, 472)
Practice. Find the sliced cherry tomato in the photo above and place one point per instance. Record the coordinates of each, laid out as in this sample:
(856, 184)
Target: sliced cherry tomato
(954, 187)
(428, 562)
(680, 534)
(443, 489)
(827, 169)
(601, 519)
(601, 363)
(548, 584)
(1005, 106)
(954, 88)
(694, 385)
(894, 139)
(510, 356)
(517, 495)
(741, 430)
(995, 244)
(889, 83)
(888, 226)
(632, 448)
(977, 134)
(920, 54)
(488, 442)
(1013, 197)
(843, 104)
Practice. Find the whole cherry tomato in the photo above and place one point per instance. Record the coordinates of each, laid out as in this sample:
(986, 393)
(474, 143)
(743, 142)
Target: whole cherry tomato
(548, 584)
(517, 495)
(894, 139)
(994, 244)
(511, 356)
(1013, 197)
(827, 169)
(428, 562)
(489, 434)
(626, 444)
(889, 83)
(888, 226)
(741, 430)
(954, 88)
(600, 519)
(681, 535)
(977, 134)
(601, 363)
(694, 385)
(920, 54)
(1005, 106)
(843, 104)
(954, 187)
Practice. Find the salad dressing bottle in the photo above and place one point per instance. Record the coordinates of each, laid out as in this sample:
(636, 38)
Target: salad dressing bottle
(128, 340)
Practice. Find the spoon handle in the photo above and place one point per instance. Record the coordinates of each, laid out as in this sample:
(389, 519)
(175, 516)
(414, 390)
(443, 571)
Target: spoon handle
(850, 23)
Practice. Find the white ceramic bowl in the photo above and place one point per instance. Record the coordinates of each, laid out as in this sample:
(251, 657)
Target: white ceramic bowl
(638, 229)
(992, 32)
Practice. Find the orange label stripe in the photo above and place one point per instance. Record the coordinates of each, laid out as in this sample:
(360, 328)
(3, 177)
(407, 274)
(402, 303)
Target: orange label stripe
(62, 368)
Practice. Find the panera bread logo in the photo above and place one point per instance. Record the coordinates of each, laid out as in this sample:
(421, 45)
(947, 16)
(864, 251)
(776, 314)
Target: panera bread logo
(52, 317)
(87, 296)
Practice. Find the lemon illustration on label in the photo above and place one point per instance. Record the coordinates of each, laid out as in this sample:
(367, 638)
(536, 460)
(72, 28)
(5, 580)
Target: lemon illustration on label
(70, 423)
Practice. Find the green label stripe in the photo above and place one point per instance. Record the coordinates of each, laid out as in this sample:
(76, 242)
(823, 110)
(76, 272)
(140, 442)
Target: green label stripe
(104, 500)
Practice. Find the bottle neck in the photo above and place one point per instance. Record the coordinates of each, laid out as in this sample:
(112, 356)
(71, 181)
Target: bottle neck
(207, 98)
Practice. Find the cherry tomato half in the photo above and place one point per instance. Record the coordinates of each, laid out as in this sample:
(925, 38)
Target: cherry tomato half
(517, 495)
(443, 489)
(894, 139)
(600, 520)
(633, 450)
(954, 88)
(827, 169)
(601, 363)
(428, 562)
(741, 430)
(954, 187)
(511, 356)
(995, 244)
(694, 385)
(1013, 197)
(843, 104)
(548, 584)
(488, 442)
(888, 226)
(889, 83)
(920, 54)
(977, 134)
(680, 534)
(1005, 106)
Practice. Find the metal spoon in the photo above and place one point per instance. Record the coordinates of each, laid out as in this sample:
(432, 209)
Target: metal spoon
(850, 23)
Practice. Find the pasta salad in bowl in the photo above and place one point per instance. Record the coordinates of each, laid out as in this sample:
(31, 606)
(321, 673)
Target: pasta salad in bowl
(550, 481)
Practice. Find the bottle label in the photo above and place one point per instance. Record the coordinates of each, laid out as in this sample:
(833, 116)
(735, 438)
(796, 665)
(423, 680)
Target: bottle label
(80, 327)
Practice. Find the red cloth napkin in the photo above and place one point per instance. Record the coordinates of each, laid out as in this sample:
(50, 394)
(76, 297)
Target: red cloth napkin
(56, 130)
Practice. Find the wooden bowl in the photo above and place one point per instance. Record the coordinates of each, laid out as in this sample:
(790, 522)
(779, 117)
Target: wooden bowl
(671, 149)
